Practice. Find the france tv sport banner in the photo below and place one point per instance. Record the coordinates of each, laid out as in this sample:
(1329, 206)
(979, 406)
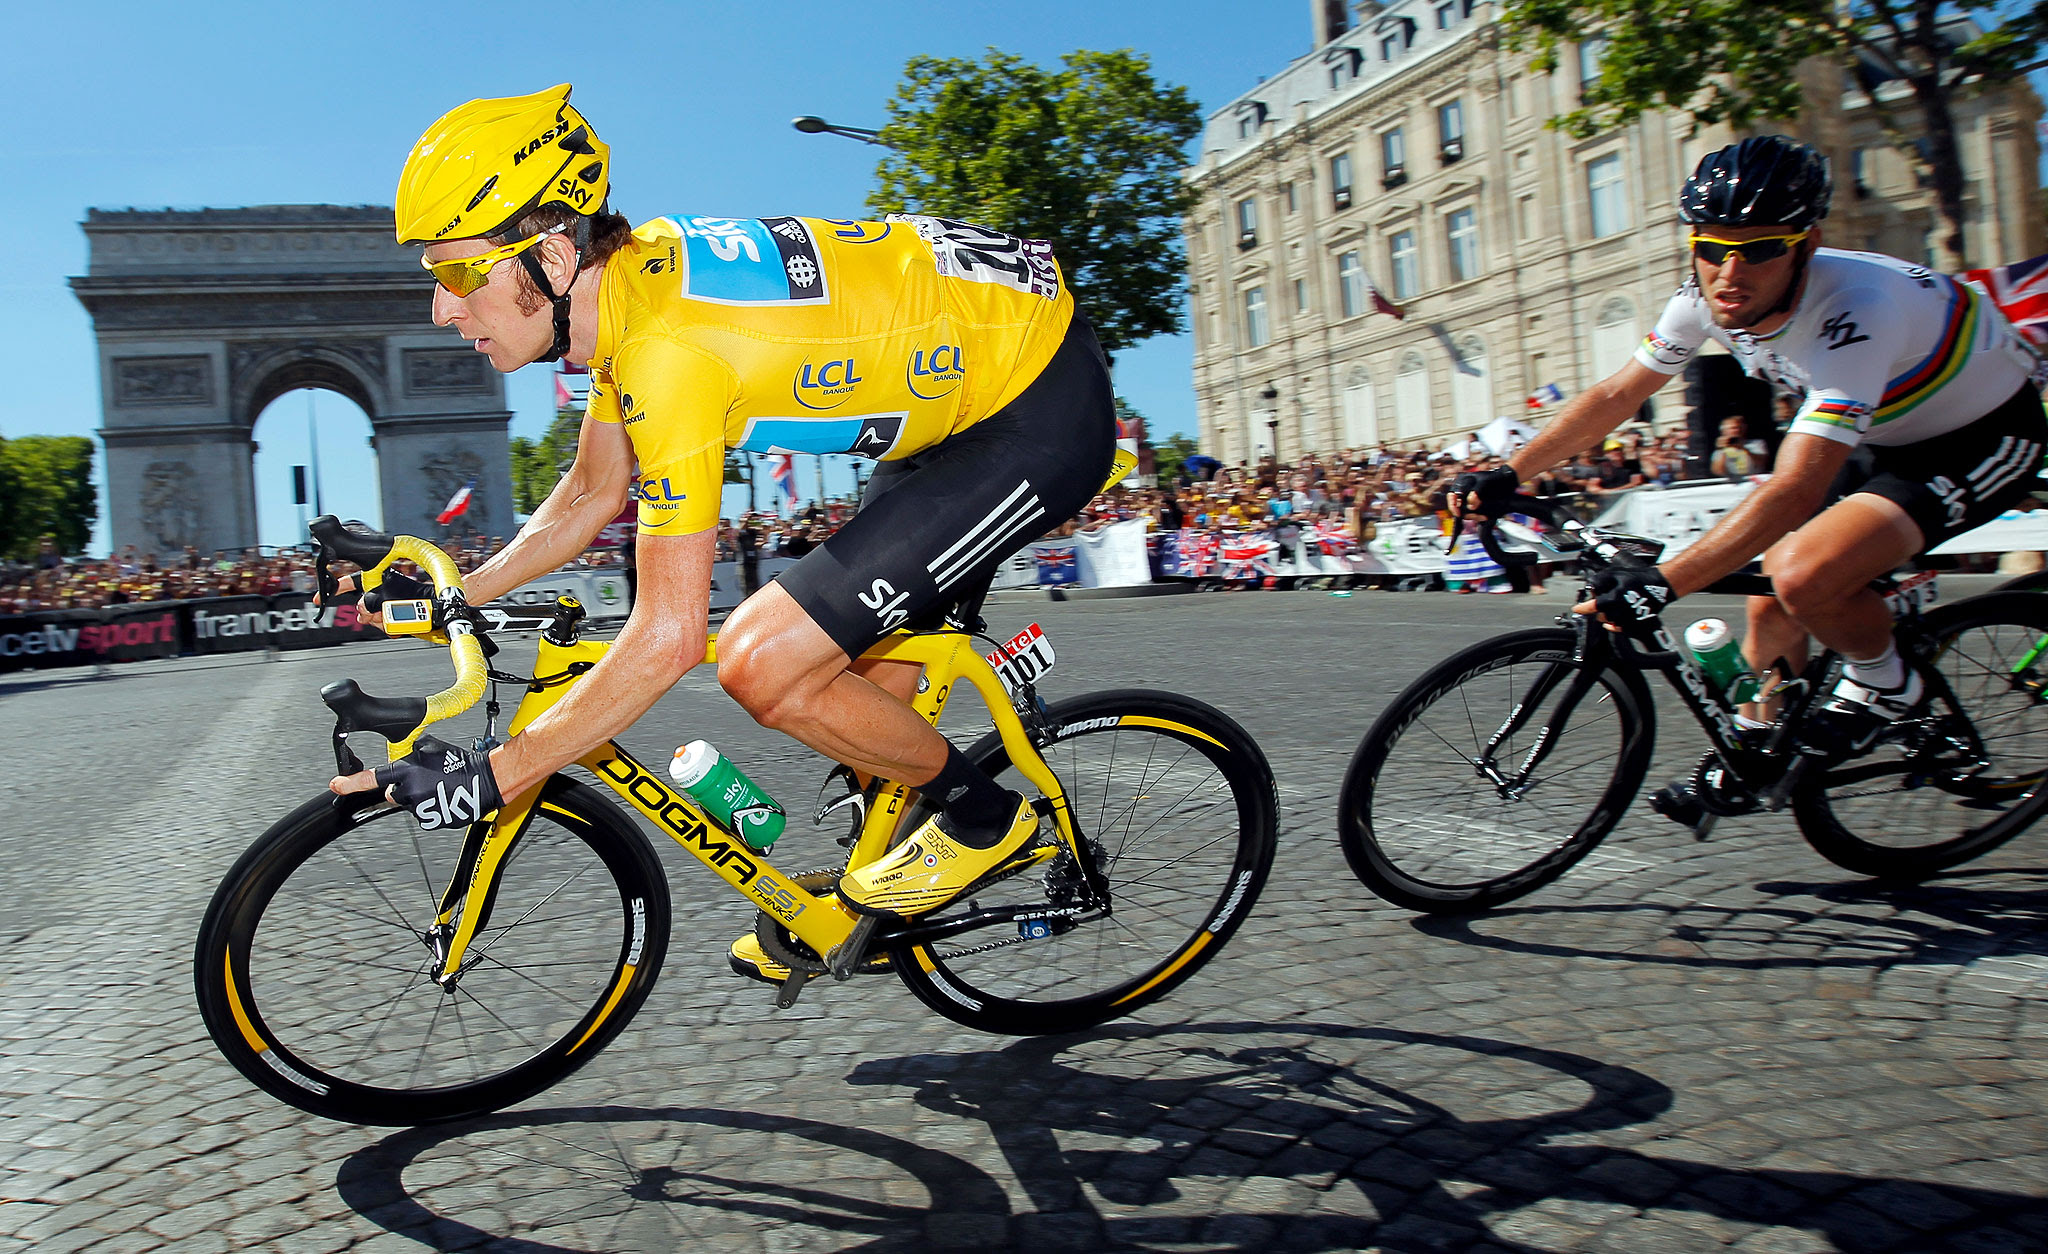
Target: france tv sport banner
(83, 637)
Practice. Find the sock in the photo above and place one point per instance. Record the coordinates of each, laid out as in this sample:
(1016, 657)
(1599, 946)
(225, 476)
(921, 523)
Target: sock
(974, 802)
(1883, 671)
(1745, 723)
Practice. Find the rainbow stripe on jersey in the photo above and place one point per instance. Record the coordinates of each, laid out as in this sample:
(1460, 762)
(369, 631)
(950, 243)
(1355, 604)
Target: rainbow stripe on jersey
(1950, 354)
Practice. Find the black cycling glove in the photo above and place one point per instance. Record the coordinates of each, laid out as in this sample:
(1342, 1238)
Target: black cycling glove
(1495, 489)
(442, 785)
(1631, 597)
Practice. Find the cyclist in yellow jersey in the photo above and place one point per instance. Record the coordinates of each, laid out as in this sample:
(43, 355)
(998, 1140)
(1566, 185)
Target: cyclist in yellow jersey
(951, 353)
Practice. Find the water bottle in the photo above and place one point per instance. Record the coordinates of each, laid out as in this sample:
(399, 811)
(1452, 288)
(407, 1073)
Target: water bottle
(725, 792)
(1719, 655)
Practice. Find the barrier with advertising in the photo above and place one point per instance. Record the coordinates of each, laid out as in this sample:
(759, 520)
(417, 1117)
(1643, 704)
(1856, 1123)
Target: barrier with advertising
(1682, 513)
(604, 593)
(287, 621)
(1113, 556)
(82, 637)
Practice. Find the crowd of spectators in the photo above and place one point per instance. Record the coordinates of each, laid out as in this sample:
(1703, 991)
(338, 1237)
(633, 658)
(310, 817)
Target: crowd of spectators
(1339, 499)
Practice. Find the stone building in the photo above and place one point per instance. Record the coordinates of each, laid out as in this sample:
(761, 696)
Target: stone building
(1407, 154)
(206, 316)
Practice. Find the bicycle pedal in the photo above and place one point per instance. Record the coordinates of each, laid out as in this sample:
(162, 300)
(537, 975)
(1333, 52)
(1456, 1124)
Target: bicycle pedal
(791, 988)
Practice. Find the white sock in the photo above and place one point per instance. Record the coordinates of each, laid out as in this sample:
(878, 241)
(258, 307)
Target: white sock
(1746, 723)
(1883, 671)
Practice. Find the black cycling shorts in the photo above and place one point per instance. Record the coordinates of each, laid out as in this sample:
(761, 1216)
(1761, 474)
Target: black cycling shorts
(1959, 481)
(933, 527)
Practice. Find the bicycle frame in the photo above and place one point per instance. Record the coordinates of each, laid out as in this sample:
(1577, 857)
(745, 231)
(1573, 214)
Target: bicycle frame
(823, 923)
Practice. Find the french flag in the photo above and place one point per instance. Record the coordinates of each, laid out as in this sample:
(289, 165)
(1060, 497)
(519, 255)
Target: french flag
(458, 505)
(782, 473)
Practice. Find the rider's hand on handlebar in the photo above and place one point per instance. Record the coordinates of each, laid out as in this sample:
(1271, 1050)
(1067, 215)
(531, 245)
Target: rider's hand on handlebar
(443, 786)
(1488, 493)
(1628, 597)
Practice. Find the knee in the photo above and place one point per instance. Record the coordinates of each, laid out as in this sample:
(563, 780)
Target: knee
(1805, 586)
(747, 669)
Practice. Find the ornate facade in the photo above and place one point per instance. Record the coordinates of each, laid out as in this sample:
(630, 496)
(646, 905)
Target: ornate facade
(1407, 155)
(206, 316)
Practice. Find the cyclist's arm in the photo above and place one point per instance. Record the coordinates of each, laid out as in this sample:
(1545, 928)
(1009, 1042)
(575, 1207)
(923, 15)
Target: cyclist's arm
(1587, 418)
(1795, 492)
(659, 644)
(590, 495)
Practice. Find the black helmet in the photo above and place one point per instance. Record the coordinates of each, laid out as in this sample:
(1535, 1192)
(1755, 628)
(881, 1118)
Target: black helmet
(1767, 180)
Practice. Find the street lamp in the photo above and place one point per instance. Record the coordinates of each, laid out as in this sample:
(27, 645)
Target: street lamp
(1271, 396)
(818, 126)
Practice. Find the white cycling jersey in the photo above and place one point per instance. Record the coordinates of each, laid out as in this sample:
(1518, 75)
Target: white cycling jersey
(1887, 353)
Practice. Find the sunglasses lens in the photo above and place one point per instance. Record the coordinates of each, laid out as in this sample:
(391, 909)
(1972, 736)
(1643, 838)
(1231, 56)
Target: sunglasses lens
(459, 277)
(1754, 253)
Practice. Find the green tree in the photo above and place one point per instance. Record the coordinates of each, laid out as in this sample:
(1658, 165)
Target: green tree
(48, 480)
(1088, 157)
(1739, 61)
(1170, 459)
(537, 465)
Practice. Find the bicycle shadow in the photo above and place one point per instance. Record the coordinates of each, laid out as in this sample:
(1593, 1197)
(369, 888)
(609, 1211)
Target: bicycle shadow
(616, 1195)
(1424, 1177)
(1860, 923)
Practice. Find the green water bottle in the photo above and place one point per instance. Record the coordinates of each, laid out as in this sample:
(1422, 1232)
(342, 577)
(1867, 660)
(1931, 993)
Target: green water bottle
(725, 792)
(1719, 655)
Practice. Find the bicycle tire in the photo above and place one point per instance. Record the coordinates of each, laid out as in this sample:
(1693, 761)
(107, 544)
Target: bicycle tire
(1892, 814)
(1416, 844)
(305, 989)
(1114, 753)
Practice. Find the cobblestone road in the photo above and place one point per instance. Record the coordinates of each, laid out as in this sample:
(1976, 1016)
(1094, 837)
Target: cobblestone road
(1678, 1047)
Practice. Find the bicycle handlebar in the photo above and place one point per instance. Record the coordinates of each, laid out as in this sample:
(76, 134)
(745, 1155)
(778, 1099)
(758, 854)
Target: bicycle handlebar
(1549, 514)
(355, 709)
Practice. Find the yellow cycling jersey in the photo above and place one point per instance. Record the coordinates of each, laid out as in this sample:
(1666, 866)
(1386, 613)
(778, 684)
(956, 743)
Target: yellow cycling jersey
(811, 335)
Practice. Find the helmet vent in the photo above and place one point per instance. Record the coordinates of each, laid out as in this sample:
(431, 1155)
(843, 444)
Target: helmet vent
(592, 172)
(578, 141)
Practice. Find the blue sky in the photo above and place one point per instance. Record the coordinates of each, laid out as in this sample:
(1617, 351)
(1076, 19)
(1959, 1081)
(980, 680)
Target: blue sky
(224, 104)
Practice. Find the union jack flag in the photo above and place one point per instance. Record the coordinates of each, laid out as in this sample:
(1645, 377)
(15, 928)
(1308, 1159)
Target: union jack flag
(1245, 556)
(2020, 291)
(1057, 563)
(782, 473)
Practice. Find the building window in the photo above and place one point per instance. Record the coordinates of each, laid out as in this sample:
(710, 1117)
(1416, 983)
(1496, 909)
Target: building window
(1301, 296)
(1393, 158)
(1246, 124)
(1859, 171)
(1351, 284)
(1525, 217)
(1247, 222)
(1256, 331)
(1606, 188)
(1447, 15)
(1515, 96)
(1406, 264)
(1463, 231)
(1287, 190)
(1590, 54)
(1340, 180)
(1450, 131)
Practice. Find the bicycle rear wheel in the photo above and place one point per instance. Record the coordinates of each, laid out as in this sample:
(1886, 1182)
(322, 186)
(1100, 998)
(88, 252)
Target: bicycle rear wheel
(1425, 827)
(1920, 802)
(315, 963)
(1177, 804)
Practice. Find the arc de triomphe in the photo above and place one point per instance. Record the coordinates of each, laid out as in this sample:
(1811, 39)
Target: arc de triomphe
(205, 316)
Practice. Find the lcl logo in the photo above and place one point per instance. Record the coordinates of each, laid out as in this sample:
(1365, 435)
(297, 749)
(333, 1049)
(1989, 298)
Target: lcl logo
(834, 379)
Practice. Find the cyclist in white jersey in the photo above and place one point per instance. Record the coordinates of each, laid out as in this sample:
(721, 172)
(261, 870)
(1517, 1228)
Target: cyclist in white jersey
(1888, 354)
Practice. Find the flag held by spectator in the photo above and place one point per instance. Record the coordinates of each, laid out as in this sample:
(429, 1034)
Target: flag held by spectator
(2020, 291)
(458, 505)
(1548, 394)
(782, 473)
(563, 397)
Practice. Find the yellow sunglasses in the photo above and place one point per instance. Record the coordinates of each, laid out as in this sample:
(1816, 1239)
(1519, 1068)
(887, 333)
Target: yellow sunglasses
(1752, 251)
(463, 275)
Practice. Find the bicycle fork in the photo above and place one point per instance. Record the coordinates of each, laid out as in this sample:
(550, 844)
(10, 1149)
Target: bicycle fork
(1515, 787)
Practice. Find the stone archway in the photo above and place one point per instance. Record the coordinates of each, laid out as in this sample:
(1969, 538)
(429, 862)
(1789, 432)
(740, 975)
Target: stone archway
(206, 316)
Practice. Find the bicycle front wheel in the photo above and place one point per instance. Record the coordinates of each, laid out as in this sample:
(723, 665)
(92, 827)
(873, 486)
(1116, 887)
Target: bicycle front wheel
(1925, 799)
(1177, 806)
(1429, 820)
(316, 962)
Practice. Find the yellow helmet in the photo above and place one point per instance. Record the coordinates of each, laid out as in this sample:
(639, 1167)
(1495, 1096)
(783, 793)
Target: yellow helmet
(486, 162)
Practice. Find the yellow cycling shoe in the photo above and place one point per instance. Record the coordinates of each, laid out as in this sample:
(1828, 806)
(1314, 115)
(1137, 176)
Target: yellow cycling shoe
(749, 959)
(931, 868)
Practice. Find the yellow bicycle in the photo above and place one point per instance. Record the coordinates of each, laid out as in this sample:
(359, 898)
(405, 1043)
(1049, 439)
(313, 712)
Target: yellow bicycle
(360, 968)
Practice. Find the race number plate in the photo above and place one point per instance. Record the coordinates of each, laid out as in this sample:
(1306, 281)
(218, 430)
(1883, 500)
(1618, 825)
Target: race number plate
(1024, 659)
(1916, 592)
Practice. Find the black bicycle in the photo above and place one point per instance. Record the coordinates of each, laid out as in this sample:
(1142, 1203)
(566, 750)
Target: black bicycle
(1505, 764)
